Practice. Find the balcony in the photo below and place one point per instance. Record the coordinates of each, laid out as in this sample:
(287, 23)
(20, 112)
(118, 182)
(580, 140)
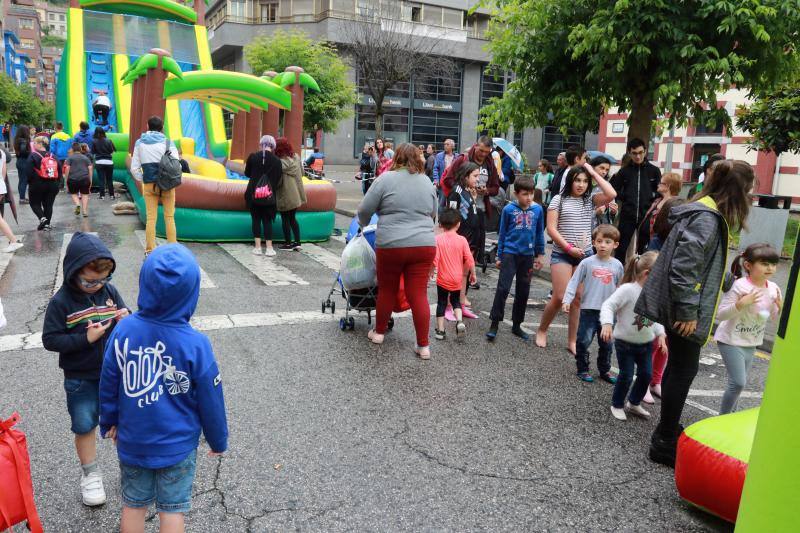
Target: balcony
(215, 20)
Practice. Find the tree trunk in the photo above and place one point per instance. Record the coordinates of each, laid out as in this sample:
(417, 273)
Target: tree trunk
(378, 119)
(640, 120)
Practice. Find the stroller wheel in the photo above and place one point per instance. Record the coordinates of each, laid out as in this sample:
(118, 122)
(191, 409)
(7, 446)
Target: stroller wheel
(323, 307)
(351, 323)
(342, 324)
(332, 305)
(391, 324)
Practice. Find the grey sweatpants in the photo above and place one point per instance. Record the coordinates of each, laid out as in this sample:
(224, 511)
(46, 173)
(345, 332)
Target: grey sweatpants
(738, 360)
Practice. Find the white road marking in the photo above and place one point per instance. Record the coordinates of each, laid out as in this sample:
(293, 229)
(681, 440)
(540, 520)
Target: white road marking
(528, 327)
(5, 259)
(321, 255)
(719, 393)
(60, 267)
(264, 268)
(205, 280)
(702, 407)
(30, 341)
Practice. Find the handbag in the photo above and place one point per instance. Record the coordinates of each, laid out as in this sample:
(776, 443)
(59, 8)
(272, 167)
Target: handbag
(16, 498)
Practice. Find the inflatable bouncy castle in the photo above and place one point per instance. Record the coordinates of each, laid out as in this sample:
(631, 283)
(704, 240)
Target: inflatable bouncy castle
(151, 57)
(745, 467)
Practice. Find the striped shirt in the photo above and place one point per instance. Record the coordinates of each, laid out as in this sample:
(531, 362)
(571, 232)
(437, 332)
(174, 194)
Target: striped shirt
(575, 217)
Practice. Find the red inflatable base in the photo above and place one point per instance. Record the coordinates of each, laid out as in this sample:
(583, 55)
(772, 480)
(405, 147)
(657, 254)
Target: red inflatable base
(708, 478)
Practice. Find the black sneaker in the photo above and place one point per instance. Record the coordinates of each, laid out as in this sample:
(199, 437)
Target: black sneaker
(439, 335)
(286, 246)
(517, 330)
(113, 197)
(491, 335)
(102, 197)
(42, 224)
(608, 377)
(47, 227)
(663, 451)
(296, 247)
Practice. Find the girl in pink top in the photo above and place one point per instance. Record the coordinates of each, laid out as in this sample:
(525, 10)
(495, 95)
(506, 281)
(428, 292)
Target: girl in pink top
(453, 259)
(744, 311)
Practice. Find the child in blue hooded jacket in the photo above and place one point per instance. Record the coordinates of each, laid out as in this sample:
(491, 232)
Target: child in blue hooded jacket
(160, 387)
(520, 249)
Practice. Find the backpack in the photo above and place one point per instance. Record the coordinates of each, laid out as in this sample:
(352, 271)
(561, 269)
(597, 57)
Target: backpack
(48, 167)
(264, 193)
(169, 171)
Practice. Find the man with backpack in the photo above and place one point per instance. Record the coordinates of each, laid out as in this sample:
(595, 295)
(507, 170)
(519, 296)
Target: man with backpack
(156, 163)
(43, 182)
(60, 143)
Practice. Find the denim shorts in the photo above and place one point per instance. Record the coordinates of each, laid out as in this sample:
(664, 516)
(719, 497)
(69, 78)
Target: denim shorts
(170, 488)
(83, 404)
(564, 257)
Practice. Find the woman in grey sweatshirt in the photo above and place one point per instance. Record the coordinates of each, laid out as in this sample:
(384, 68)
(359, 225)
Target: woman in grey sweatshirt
(405, 201)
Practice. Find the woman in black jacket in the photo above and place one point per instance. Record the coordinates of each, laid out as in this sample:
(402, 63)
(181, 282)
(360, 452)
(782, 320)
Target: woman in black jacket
(261, 199)
(103, 150)
(22, 147)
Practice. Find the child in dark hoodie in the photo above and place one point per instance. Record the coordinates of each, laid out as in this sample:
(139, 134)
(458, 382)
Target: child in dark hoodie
(160, 387)
(520, 249)
(79, 318)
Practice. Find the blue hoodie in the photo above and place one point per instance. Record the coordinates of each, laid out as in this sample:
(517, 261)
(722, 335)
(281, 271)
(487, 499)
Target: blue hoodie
(84, 137)
(170, 387)
(521, 231)
(71, 308)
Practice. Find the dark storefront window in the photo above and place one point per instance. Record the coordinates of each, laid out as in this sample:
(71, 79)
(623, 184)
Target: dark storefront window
(554, 142)
(433, 127)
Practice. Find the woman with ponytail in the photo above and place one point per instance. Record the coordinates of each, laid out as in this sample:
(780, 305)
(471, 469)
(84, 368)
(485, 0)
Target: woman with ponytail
(684, 287)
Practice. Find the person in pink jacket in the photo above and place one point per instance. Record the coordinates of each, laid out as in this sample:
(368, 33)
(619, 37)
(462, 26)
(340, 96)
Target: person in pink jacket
(744, 312)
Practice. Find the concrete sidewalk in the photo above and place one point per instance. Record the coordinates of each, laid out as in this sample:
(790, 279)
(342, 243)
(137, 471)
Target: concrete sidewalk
(349, 195)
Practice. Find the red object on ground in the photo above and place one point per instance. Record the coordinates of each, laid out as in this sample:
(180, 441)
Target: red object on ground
(16, 496)
(709, 478)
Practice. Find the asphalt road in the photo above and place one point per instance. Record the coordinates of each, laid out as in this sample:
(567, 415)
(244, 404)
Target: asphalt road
(331, 433)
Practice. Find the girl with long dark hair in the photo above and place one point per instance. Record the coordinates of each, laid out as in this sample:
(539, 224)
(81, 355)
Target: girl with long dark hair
(103, 150)
(22, 148)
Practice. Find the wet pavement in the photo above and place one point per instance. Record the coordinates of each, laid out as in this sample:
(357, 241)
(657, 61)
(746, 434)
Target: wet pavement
(332, 433)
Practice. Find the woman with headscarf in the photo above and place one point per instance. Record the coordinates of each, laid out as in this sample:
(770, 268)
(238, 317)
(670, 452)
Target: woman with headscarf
(263, 170)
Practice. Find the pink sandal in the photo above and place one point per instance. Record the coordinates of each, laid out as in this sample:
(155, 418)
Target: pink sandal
(375, 337)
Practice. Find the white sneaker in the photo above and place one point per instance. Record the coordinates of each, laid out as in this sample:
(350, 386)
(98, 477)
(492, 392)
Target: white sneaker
(637, 410)
(461, 328)
(270, 252)
(13, 247)
(92, 489)
(257, 251)
(648, 398)
(656, 390)
(618, 413)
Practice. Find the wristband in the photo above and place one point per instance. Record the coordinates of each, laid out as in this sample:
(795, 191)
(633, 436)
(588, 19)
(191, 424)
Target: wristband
(569, 247)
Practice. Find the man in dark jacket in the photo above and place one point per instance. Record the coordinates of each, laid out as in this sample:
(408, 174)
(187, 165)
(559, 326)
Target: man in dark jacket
(488, 181)
(636, 186)
(78, 320)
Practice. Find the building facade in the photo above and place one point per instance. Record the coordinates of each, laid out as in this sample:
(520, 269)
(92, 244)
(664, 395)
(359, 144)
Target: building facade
(22, 20)
(53, 18)
(684, 150)
(421, 111)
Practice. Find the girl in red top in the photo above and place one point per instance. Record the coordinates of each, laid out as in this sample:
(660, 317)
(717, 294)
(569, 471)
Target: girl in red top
(453, 259)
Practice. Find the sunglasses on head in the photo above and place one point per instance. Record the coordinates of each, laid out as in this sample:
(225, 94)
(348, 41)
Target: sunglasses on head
(92, 283)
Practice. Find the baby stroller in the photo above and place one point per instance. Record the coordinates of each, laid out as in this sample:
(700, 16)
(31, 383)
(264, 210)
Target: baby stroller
(360, 300)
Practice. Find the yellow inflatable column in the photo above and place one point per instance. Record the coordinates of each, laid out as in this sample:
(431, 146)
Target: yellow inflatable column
(771, 496)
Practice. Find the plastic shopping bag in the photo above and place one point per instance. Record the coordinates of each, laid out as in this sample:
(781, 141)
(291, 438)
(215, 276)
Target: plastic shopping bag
(358, 264)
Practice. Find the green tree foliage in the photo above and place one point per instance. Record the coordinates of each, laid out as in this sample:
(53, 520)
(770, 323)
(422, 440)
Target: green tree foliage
(18, 105)
(573, 59)
(774, 120)
(54, 41)
(337, 96)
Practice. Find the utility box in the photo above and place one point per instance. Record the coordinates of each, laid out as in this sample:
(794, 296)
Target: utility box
(767, 221)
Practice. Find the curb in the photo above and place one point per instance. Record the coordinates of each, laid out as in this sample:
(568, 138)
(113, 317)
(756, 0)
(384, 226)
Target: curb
(344, 212)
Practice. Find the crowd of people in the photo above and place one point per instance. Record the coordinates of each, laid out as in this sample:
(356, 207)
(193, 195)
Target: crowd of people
(632, 264)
